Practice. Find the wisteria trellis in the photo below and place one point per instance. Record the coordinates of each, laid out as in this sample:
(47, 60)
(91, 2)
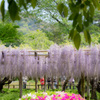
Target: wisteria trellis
(61, 61)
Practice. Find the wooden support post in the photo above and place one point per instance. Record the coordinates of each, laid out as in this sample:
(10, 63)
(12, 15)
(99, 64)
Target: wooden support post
(20, 84)
(44, 83)
(29, 85)
(38, 86)
(0, 78)
(35, 84)
(83, 85)
(64, 85)
(93, 91)
(13, 86)
(57, 82)
(88, 89)
(8, 86)
(52, 85)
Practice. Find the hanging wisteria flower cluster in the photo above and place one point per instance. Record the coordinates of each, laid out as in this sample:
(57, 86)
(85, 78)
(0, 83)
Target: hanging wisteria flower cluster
(61, 61)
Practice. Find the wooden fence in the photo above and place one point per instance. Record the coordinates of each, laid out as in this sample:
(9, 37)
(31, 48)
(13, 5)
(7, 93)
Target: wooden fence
(32, 86)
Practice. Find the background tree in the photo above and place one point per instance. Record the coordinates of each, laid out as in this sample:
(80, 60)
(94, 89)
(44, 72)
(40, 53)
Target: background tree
(56, 32)
(9, 35)
(80, 12)
(37, 40)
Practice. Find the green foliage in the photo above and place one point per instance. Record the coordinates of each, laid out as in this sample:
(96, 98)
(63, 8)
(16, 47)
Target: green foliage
(37, 40)
(13, 10)
(9, 35)
(2, 8)
(12, 94)
(77, 40)
(63, 10)
(87, 36)
(97, 18)
(80, 12)
(56, 32)
(81, 17)
(95, 40)
(33, 3)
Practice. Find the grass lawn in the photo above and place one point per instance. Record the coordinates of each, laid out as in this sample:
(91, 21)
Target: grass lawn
(13, 94)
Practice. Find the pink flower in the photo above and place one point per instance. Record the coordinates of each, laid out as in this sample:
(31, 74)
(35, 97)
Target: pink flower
(58, 96)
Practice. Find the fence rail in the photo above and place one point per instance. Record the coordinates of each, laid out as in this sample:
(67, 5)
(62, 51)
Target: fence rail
(31, 86)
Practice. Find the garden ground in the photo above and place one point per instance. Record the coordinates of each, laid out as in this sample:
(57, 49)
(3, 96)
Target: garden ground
(13, 94)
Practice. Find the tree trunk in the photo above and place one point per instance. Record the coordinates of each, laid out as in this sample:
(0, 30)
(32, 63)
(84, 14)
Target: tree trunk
(93, 91)
(52, 85)
(3, 82)
(57, 83)
(1, 87)
(44, 83)
(88, 89)
(0, 78)
(64, 85)
(83, 85)
(20, 85)
(79, 87)
(8, 86)
(35, 84)
(98, 86)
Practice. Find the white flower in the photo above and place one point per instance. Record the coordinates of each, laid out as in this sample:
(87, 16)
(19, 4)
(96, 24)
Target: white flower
(29, 94)
(48, 98)
(24, 96)
(33, 96)
(45, 93)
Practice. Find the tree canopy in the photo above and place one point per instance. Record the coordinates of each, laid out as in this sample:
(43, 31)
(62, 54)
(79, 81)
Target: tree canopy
(80, 12)
(37, 40)
(9, 35)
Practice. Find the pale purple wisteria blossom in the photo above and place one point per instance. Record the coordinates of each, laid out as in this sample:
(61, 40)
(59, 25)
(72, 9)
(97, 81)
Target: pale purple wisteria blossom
(13, 63)
(81, 67)
(76, 74)
(40, 63)
(53, 59)
(6, 64)
(63, 61)
(71, 58)
(1, 64)
(20, 66)
(44, 65)
(94, 60)
(87, 64)
(98, 65)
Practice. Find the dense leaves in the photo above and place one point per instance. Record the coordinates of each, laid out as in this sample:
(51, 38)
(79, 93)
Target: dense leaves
(2, 8)
(13, 10)
(33, 3)
(9, 35)
(87, 36)
(63, 10)
(80, 12)
(37, 40)
(77, 41)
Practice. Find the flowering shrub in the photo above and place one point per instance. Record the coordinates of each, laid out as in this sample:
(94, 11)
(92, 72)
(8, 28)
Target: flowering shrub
(56, 96)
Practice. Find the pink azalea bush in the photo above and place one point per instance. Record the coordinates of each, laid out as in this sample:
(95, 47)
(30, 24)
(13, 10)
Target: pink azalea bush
(56, 96)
